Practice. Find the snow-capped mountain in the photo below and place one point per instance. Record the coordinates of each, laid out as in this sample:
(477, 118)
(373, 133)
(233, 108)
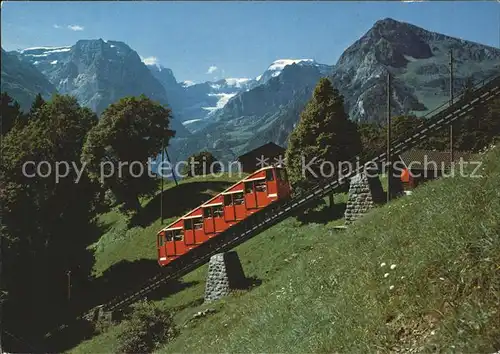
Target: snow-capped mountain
(98, 73)
(23, 81)
(416, 58)
(194, 102)
(203, 102)
(45, 58)
(265, 112)
(277, 67)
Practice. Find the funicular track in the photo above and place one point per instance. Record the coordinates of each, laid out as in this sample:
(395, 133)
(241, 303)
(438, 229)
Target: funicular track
(274, 213)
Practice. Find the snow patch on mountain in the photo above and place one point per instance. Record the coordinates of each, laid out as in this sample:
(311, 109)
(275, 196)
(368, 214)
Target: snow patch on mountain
(281, 63)
(361, 108)
(237, 82)
(45, 53)
(277, 67)
(187, 122)
(47, 49)
(223, 99)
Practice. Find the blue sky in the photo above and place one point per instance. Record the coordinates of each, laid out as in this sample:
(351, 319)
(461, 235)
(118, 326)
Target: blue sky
(240, 39)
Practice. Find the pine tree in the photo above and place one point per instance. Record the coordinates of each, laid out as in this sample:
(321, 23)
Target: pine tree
(324, 135)
(11, 112)
(36, 105)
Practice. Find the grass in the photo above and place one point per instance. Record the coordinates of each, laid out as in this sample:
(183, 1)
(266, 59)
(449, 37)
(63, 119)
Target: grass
(324, 290)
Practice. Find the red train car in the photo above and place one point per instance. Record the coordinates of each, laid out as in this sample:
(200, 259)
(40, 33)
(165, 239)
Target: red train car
(222, 211)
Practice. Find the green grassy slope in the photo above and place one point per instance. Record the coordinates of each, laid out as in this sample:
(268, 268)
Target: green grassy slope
(444, 291)
(324, 290)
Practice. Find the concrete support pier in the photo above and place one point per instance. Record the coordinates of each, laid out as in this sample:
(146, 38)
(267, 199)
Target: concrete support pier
(224, 274)
(364, 193)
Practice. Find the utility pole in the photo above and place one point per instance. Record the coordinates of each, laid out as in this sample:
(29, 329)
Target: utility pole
(68, 273)
(451, 102)
(173, 169)
(162, 178)
(2, 293)
(389, 169)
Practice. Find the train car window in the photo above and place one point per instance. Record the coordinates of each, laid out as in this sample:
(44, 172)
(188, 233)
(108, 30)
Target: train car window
(269, 175)
(248, 187)
(178, 235)
(228, 200)
(198, 223)
(218, 211)
(238, 199)
(207, 213)
(188, 224)
(160, 240)
(260, 186)
(168, 236)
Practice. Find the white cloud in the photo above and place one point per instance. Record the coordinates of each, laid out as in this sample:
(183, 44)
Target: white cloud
(75, 27)
(150, 60)
(188, 83)
(56, 26)
(212, 69)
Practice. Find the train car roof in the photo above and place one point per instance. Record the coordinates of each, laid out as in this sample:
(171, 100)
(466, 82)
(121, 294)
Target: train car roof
(207, 203)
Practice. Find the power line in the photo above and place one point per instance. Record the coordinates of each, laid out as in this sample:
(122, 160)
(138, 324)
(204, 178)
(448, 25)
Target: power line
(19, 339)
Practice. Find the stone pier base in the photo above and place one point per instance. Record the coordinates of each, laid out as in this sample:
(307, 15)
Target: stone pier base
(224, 273)
(98, 314)
(364, 193)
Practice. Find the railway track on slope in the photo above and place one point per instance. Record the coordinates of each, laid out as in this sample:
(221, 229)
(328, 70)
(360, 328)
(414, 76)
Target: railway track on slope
(274, 213)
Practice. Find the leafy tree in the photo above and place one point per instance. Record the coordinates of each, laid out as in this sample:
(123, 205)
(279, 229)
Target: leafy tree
(324, 133)
(46, 222)
(147, 328)
(372, 139)
(11, 112)
(201, 164)
(129, 132)
(403, 125)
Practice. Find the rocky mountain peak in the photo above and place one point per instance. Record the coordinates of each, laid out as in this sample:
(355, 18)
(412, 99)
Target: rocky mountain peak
(417, 58)
(390, 42)
(164, 75)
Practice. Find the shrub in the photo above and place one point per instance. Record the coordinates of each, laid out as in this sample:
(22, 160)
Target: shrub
(201, 164)
(147, 327)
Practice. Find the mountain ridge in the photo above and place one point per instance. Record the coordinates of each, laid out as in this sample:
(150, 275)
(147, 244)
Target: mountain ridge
(232, 115)
(23, 81)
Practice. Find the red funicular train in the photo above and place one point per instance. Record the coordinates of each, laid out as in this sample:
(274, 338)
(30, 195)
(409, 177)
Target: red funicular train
(244, 198)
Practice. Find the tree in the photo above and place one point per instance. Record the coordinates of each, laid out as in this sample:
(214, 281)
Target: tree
(11, 112)
(323, 135)
(46, 222)
(36, 105)
(372, 139)
(117, 150)
(201, 164)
